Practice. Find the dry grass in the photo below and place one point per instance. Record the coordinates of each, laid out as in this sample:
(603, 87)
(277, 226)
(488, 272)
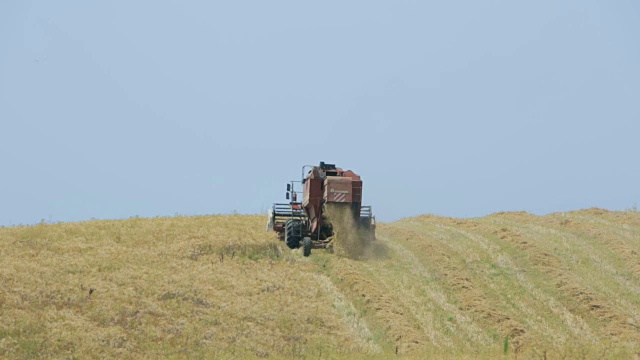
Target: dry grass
(561, 286)
(169, 287)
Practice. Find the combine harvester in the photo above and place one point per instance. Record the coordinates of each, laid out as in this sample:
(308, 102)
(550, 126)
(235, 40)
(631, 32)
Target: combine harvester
(332, 198)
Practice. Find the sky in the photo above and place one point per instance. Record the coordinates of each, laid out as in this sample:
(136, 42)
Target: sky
(114, 109)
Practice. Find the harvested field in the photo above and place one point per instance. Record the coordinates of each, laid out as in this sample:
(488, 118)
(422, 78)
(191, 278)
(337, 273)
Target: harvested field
(564, 285)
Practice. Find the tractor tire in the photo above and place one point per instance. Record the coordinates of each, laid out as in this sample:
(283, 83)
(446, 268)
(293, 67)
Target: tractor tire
(306, 246)
(293, 229)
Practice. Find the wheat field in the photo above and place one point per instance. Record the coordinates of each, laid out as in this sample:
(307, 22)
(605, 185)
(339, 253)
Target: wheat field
(510, 285)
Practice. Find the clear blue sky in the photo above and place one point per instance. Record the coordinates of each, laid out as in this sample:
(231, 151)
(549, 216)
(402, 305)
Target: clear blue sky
(111, 109)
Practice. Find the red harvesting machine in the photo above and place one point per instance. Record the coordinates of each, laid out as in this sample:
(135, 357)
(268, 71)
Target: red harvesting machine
(307, 222)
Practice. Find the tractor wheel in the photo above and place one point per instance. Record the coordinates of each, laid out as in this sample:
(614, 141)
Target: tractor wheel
(293, 230)
(306, 246)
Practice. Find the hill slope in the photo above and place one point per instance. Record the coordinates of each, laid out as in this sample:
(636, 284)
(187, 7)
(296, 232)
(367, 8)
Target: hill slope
(218, 286)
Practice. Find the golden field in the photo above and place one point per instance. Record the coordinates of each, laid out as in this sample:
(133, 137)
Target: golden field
(509, 285)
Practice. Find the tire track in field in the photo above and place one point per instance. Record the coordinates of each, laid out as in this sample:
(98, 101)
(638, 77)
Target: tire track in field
(474, 301)
(567, 283)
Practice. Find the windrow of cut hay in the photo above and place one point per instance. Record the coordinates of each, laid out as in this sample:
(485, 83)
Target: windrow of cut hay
(582, 267)
(532, 288)
(373, 297)
(617, 230)
(469, 292)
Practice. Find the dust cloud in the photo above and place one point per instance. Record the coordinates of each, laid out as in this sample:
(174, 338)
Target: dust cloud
(349, 238)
